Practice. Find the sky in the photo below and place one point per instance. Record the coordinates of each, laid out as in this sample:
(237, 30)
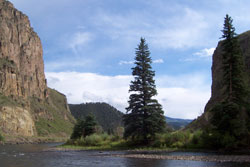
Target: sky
(89, 47)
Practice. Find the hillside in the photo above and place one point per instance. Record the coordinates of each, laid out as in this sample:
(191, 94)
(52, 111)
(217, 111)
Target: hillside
(28, 108)
(106, 115)
(177, 123)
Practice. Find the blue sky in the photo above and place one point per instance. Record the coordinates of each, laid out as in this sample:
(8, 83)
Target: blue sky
(89, 46)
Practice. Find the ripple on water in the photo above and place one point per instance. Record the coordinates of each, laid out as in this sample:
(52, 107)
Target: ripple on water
(34, 156)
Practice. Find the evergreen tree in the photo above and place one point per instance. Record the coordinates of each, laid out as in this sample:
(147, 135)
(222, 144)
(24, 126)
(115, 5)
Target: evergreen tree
(144, 116)
(89, 125)
(228, 115)
(233, 66)
(78, 130)
(84, 127)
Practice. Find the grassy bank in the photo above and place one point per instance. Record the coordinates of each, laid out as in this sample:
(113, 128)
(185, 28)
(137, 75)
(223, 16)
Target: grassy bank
(8, 139)
(97, 142)
(166, 141)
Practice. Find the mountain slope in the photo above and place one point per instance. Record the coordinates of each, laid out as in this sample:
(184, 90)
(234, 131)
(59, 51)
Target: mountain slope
(177, 123)
(106, 115)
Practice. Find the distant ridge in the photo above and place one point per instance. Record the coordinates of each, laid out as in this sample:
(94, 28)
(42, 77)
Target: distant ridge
(177, 123)
(110, 118)
(106, 115)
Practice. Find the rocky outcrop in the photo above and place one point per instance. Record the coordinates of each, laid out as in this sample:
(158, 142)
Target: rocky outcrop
(17, 120)
(217, 75)
(21, 55)
(27, 106)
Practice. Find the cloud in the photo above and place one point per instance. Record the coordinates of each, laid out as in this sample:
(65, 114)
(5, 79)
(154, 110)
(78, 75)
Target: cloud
(185, 29)
(90, 87)
(158, 61)
(181, 96)
(79, 40)
(204, 53)
(122, 62)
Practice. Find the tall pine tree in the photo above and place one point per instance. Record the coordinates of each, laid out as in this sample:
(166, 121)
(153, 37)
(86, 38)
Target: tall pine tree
(233, 66)
(228, 118)
(144, 116)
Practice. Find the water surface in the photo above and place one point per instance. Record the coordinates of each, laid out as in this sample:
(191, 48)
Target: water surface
(33, 155)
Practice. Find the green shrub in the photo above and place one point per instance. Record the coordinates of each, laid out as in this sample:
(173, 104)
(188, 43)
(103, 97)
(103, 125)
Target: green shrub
(93, 140)
(105, 136)
(179, 139)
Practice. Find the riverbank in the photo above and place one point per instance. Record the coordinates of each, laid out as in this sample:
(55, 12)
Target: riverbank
(32, 140)
(207, 158)
(160, 154)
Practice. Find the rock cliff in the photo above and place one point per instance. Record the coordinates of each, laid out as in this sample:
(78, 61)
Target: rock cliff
(21, 55)
(27, 106)
(217, 75)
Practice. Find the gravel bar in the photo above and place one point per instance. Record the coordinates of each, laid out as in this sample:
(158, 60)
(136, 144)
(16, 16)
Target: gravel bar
(209, 158)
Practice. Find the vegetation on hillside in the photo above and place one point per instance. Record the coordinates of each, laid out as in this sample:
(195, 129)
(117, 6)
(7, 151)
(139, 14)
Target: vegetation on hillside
(144, 116)
(108, 117)
(54, 117)
(176, 123)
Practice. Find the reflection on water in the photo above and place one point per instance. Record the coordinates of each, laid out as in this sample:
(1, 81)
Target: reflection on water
(34, 156)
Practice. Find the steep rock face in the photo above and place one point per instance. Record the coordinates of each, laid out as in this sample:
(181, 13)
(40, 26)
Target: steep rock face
(27, 106)
(217, 75)
(21, 55)
(17, 120)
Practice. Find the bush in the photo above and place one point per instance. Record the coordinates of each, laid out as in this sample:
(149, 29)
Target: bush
(93, 140)
(196, 140)
(179, 139)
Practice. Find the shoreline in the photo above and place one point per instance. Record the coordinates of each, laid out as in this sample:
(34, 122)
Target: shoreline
(208, 158)
(31, 140)
(151, 154)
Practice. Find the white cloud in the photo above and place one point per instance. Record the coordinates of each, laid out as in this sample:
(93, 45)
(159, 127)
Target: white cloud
(187, 29)
(122, 62)
(204, 53)
(90, 87)
(181, 96)
(79, 40)
(158, 61)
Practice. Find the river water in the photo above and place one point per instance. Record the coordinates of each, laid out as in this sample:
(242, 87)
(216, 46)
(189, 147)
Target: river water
(33, 155)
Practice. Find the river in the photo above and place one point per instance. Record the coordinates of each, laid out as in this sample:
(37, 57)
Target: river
(33, 155)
